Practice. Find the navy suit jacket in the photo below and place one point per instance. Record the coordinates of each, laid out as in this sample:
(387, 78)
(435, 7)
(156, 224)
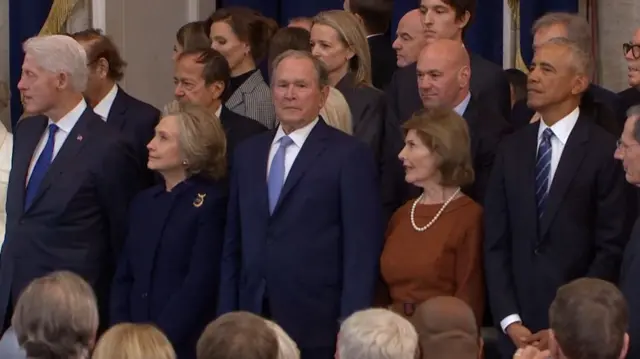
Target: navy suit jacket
(78, 218)
(168, 273)
(238, 128)
(316, 257)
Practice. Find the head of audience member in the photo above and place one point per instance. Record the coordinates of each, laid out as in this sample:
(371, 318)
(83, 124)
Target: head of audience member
(444, 73)
(242, 36)
(56, 316)
(588, 319)
(565, 25)
(133, 341)
(106, 66)
(410, 38)
(336, 112)
(287, 348)
(288, 38)
(632, 55)
(339, 40)
(446, 19)
(200, 77)
(301, 22)
(517, 85)
(54, 75)
(376, 334)
(299, 88)
(436, 151)
(447, 328)
(558, 76)
(189, 140)
(628, 150)
(375, 15)
(238, 335)
(190, 36)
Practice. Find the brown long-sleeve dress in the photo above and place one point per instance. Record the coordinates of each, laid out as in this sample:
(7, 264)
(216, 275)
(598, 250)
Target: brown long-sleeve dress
(444, 260)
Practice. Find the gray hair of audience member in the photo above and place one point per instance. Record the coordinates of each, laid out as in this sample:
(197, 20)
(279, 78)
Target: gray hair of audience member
(287, 348)
(578, 29)
(377, 334)
(60, 54)
(56, 316)
(238, 335)
(581, 61)
(634, 111)
(336, 112)
(588, 319)
(321, 70)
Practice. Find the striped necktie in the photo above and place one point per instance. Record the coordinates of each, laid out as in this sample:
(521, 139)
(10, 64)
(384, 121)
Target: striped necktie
(543, 170)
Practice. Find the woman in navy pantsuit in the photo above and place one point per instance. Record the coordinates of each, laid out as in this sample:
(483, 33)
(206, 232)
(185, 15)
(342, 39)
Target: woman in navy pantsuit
(168, 273)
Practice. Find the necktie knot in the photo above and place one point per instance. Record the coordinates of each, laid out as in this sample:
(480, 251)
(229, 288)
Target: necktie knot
(547, 134)
(286, 141)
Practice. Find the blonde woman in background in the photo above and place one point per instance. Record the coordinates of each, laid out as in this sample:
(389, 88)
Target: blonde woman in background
(338, 39)
(6, 149)
(336, 112)
(133, 341)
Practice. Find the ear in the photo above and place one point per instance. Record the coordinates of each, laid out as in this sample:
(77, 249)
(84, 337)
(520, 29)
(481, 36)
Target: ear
(350, 53)
(580, 84)
(103, 67)
(62, 80)
(464, 76)
(554, 348)
(464, 20)
(625, 346)
(216, 89)
(480, 347)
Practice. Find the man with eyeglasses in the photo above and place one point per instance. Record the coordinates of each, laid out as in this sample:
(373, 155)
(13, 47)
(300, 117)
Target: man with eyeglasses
(631, 49)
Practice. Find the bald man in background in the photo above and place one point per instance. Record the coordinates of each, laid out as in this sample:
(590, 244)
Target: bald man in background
(410, 38)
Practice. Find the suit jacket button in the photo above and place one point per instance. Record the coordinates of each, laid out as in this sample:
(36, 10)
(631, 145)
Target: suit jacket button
(144, 295)
(536, 251)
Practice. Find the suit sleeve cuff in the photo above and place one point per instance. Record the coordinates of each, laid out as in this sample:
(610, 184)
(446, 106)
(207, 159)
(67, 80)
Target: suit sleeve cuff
(508, 320)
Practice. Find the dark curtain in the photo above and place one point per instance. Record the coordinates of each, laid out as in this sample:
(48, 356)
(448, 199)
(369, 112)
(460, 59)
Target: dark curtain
(484, 36)
(530, 11)
(26, 19)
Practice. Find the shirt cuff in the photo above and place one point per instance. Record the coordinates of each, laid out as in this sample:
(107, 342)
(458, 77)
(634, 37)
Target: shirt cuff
(508, 320)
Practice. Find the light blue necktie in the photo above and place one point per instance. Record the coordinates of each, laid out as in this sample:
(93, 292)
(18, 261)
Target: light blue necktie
(543, 170)
(41, 167)
(275, 180)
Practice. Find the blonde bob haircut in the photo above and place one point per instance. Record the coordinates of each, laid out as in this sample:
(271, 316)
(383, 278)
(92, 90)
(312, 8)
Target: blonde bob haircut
(202, 139)
(353, 36)
(336, 112)
(133, 341)
(445, 133)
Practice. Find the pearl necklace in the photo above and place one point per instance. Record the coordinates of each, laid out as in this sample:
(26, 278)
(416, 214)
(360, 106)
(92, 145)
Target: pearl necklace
(415, 204)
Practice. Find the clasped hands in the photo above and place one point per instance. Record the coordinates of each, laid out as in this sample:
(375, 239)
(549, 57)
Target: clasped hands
(522, 337)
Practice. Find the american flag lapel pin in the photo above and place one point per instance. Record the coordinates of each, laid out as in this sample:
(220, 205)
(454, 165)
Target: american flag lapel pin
(79, 138)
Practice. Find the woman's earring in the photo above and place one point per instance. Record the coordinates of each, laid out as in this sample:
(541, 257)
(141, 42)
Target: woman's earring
(185, 162)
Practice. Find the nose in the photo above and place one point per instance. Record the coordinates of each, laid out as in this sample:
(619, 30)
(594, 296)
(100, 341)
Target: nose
(21, 84)
(178, 92)
(289, 93)
(150, 145)
(424, 83)
(427, 19)
(629, 55)
(401, 155)
(618, 154)
(315, 51)
(396, 44)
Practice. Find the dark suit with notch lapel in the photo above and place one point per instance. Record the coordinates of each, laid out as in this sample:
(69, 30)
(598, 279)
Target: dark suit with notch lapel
(316, 257)
(582, 232)
(78, 218)
(237, 128)
(136, 121)
(383, 60)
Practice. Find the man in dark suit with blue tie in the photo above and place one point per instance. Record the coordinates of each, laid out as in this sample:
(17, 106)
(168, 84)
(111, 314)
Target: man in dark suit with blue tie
(305, 229)
(71, 178)
(555, 206)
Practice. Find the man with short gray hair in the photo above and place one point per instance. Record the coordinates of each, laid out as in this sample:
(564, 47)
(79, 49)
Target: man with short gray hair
(304, 249)
(377, 334)
(71, 181)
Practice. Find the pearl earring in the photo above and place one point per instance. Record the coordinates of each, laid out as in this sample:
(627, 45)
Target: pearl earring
(185, 162)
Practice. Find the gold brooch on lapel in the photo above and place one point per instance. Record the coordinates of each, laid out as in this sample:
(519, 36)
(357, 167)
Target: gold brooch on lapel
(199, 200)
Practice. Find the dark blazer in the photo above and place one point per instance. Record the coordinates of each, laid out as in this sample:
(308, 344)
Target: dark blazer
(78, 219)
(237, 129)
(367, 112)
(316, 258)
(488, 83)
(253, 99)
(136, 121)
(628, 98)
(629, 286)
(383, 60)
(581, 234)
(169, 271)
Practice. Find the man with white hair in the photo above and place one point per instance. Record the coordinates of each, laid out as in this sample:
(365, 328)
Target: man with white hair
(377, 334)
(71, 181)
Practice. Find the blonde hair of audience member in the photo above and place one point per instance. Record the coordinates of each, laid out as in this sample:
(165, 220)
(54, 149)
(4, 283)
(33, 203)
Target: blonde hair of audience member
(377, 334)
(133, 341)
(437, 150)
(56, 316)
(287, 348)
(238, 335)
(336, 112)
(351, 39)
(201, 141)
(58, 74)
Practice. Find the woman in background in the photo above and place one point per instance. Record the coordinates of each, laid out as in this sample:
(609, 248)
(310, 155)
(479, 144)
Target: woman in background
(168, 272)
(336, 113)
(133, 341)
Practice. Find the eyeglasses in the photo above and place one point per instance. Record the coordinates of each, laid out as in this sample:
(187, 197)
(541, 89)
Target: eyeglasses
(634, 48)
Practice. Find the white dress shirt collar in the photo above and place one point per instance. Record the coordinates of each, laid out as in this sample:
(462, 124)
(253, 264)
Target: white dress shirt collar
(104, 106)
(298, 136)
(561, 129)
(68, 121)
(372, 35)
(462, 106)
(219, 111)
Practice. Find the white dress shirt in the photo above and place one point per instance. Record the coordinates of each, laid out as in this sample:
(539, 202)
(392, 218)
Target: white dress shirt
(65, 125)
(561, 131)
(104, 106)
(298, 137)
(462, 106)
(219, 111)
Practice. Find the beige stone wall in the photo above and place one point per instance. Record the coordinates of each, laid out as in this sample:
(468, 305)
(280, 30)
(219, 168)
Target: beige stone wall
(4, 61)
(618, 19)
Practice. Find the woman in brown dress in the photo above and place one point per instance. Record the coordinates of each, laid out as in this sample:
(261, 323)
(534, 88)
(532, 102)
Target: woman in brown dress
(434, 243)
